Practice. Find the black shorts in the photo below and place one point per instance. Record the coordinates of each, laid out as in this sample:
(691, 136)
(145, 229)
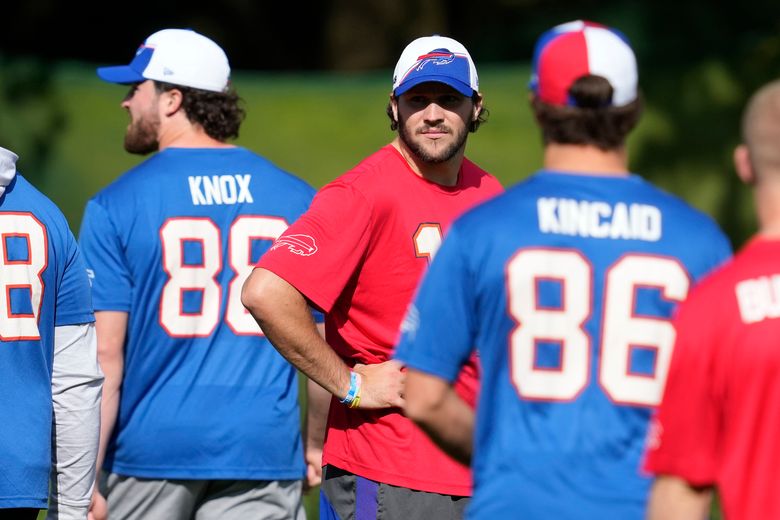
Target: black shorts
(346, 496)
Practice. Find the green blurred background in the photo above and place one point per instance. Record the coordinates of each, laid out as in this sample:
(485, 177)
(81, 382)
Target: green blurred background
(315, 78)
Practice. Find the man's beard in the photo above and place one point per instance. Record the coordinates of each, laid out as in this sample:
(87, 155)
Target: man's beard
(439, 156)
(141, 136)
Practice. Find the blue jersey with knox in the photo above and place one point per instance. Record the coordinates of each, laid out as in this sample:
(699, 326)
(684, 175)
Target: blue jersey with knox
(204, 395)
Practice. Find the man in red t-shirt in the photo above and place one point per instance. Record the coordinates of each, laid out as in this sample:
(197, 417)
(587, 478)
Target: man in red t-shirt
(719, 423)
(358, 254)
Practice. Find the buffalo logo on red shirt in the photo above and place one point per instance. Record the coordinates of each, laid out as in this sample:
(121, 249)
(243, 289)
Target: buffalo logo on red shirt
(303, 245)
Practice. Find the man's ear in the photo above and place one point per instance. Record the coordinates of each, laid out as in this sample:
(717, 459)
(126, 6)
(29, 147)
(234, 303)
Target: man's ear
(477, 108)
(172, 100)
(744, 165)
(394, 106)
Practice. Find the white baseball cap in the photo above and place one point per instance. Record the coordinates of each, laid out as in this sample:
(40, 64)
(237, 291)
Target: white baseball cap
(438, 59)
(177, 56)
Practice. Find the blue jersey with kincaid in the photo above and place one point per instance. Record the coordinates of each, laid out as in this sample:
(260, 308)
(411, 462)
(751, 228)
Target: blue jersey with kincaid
(204, 394)
(43, 284)
(565, 285)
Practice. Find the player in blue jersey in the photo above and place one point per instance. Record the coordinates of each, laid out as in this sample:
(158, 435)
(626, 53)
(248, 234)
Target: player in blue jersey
(50, 380)
(565, 286)
(201, 410)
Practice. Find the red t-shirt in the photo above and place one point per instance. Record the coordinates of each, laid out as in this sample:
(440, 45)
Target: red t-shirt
(719, 422)
(358, 254)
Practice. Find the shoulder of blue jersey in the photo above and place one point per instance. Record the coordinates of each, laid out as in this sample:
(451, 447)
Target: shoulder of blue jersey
(245, 163)
(31, 199)
(631, 210)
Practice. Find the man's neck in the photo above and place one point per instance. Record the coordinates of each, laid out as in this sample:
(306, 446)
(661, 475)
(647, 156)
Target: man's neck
(766, 193)
(585, 159)
(187, 135)
(445, 173)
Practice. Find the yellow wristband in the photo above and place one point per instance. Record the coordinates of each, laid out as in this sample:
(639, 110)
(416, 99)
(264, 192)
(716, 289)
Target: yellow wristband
(355, 402)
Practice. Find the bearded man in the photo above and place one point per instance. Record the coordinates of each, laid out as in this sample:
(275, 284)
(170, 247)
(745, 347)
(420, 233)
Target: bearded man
(357, 255)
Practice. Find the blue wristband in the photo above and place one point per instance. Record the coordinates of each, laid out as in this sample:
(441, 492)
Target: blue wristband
(354, 387)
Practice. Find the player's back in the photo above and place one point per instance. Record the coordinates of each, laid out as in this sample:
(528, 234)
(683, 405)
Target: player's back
(575, 278)
(171, 242)
(718, 423)
(42, 285)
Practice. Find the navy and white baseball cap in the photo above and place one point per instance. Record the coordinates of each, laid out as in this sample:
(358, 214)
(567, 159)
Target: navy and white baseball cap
(569, 51)
(177, 56)
(438, 59)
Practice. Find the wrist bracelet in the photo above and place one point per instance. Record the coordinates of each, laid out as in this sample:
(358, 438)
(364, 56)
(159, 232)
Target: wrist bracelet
(356, 402)
(352, 399)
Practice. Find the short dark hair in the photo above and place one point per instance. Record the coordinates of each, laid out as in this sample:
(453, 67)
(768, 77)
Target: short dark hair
(482, 117)
(592, 120)
(218, 113)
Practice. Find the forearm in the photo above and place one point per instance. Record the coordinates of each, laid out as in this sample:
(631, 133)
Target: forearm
(111, 331)
(318, 404)
(283, 314)
(109, 409)
(451, 427)
(76, 389)
(672, 498)
(438, 410)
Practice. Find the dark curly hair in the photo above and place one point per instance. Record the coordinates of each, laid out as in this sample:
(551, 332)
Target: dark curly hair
(218, 113)
(592, 121)
(482, 117)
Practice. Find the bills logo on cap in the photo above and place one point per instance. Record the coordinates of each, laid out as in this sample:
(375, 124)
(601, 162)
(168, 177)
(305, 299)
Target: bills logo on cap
(437, 57)
(303, 245)
(572, 50)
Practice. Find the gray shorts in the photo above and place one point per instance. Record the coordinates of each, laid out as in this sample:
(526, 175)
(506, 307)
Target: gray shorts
(131, 498)
(346, 496)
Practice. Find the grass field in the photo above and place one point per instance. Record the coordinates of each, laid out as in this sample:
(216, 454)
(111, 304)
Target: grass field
(316, 126)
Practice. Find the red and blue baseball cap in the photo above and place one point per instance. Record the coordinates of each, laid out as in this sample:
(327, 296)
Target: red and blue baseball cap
(435, 59)
(177, 56)
(569, 51)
